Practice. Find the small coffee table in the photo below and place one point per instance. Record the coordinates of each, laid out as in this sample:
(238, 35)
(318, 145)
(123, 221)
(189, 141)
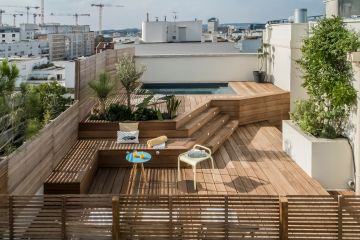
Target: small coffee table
(138, 160)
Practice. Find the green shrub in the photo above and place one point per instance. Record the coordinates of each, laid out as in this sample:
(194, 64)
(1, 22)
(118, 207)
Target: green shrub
(172, 106)
(33, 126)
(327, 79)
(146, 114)
(118, 113)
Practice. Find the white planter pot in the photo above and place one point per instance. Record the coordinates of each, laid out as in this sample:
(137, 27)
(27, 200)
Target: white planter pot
(329, 161)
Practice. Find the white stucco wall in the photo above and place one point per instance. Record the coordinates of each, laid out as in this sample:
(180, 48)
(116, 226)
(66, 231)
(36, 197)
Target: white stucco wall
(353, 131)
(208, 68)
(285, 43)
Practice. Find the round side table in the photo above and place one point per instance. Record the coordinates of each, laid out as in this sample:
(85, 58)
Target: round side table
(137, 160)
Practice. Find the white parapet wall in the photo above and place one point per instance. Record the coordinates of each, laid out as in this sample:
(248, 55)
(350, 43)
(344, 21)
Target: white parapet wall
(204, 68)
(285, 43)
(329, 161)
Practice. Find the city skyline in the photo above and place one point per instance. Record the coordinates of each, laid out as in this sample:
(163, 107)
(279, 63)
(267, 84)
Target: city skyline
(134, 12)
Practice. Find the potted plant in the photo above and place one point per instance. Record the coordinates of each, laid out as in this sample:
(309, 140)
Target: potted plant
(260, 75)
(316, 136)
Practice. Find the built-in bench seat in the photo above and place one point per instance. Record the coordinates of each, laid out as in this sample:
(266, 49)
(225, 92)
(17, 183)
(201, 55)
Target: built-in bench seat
(74, 174)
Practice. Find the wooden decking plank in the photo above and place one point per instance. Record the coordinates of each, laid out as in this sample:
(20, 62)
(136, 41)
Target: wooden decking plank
(274, 174)
(257, 165)
(109, 181)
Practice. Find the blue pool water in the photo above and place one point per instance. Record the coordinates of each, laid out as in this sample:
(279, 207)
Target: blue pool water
(190, 88)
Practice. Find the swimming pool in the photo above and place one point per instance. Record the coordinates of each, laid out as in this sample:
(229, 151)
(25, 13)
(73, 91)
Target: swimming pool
(190, 88)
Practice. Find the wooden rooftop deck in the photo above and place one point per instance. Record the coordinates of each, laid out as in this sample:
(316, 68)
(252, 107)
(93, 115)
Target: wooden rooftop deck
(250, 162)
(190, 102)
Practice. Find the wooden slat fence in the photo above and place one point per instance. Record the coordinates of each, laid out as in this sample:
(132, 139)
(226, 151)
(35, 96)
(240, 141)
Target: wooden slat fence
(179, 217)
(26, 169)
(88, 69)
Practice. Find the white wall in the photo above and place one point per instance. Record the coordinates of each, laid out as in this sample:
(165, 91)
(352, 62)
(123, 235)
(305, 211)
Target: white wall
(353, 131)
(161, 31)
(205, 68)
(26, 67)
(285, 41)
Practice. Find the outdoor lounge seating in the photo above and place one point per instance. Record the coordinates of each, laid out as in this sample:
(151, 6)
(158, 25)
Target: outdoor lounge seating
(194, 160)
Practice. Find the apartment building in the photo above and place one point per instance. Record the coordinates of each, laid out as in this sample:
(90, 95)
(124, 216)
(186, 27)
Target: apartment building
(67, 42)
(9, 34)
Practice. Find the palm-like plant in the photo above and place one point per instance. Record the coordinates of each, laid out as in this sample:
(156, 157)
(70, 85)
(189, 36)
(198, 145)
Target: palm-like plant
(129, 76)
(103, 86)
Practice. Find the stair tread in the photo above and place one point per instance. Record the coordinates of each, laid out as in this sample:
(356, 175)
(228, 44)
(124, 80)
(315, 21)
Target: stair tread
(223, 134)
(209, 127)
(195, 121)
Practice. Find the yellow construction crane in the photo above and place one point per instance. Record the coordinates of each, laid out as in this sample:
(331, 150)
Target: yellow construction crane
(26, 7)
(101, 6)
(75, 15)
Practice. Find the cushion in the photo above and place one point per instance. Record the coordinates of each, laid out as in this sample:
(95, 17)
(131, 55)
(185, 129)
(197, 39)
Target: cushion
(160, 146)
(129, 127)
(197, 153)
(128, 137)
(157, 141)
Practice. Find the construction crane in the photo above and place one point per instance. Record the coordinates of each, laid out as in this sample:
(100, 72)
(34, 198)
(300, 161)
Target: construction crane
(101, 6)
(35, 15)
(75, 15)
(26, 7)
(14, 15)
(1, 15)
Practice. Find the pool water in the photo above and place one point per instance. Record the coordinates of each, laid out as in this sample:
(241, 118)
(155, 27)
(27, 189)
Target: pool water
(191, 88)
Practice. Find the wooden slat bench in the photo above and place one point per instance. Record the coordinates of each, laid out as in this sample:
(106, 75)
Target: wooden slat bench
(75, 172)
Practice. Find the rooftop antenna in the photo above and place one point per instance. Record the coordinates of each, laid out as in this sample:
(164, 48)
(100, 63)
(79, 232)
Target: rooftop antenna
(101, 6)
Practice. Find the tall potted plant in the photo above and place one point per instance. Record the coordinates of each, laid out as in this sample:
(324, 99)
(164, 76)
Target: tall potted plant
(260, 75)
(315, 137)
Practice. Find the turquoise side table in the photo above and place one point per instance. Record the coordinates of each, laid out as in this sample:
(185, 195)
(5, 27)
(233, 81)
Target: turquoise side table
(138, 161)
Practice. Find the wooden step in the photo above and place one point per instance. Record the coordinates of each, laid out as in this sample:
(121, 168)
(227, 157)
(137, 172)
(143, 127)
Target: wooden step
(209, 129)
(199, 121)
(187, 117)
(221, 136)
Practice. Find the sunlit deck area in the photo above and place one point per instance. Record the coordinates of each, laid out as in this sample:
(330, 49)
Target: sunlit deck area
(250, 162)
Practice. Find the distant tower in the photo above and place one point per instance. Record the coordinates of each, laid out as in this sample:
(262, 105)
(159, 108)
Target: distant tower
(147, 17)
(213, 25)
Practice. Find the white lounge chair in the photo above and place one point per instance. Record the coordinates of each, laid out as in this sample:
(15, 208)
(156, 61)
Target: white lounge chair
(184, 157)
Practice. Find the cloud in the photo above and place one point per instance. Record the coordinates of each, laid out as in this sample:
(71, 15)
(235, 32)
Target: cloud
(135, 10)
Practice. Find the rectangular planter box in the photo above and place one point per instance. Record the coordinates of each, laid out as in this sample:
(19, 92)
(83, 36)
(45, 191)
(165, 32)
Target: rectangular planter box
(329, 161)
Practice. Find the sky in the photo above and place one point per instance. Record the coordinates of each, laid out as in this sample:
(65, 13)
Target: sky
(134, 11)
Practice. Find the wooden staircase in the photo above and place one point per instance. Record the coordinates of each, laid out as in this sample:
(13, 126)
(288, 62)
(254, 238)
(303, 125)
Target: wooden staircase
(208, 126)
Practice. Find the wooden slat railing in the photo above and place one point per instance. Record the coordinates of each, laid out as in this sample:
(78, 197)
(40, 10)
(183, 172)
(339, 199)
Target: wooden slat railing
(179, 217)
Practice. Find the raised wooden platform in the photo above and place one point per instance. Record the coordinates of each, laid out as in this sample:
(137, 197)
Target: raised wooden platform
(210, 121)
(251, 161)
